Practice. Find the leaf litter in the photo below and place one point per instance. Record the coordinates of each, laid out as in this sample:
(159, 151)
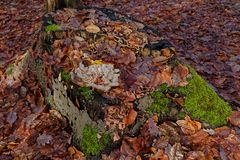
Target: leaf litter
(141, 71)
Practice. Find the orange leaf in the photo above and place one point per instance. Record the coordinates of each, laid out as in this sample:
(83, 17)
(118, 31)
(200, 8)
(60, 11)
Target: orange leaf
(189, 126)
(131, 117)
(234, 119)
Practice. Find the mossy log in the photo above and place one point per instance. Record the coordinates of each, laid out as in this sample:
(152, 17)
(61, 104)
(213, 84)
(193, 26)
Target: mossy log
(78, 101)
(197, 99)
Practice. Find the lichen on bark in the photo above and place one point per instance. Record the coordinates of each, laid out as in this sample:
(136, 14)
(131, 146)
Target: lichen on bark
(85, 130)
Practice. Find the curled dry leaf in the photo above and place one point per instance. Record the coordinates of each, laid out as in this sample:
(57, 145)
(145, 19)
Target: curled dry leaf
(76, 153)
(126, 149)
(44, 139)
(189, 126)
(159, 154)
(131, 117)
(11, 117)
(234, 119)
(200, 137)
(162, 77)
(175, 152)
(166, 52)
(193, 155)
(180, 74)
(92, 28)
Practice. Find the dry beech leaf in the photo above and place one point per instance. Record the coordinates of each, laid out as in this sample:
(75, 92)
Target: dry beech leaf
(180, 74)
(92, 28)
(159, 154)
(11, 117)
(193, 155)
(166, 52)
(44, 139)
(137, 144)
(131, 117)
(12, 145)
(76, 153)
(162, 77)
(116, 136)
(189, 126)
(200, 137)
(175, 152)
(234, 119)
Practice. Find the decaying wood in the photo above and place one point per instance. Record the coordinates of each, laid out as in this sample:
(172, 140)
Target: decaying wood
(53, 5)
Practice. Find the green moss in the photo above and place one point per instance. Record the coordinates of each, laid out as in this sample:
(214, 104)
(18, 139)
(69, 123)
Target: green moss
(160, 102)
(52, 27)
(91, 145)
(10, 68)
(65, 76)
(203, 103)
(86, 92)
(181, 115)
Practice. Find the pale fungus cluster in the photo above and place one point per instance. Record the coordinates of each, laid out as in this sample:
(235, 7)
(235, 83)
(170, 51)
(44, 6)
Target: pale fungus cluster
(99, 76)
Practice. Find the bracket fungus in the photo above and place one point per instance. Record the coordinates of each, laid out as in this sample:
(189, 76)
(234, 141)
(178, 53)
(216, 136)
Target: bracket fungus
(99, 76)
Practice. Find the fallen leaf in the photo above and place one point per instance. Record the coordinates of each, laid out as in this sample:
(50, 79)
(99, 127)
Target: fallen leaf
(92, 28)
(175, 152)
(131, 117)
(195, 155)
(234, 119)
(44, 139)
(11, 117)
(159, 154)
(200, 137)
(180, 74)
(189, 126)
(166, 52)
(12, 145)
(76, 153)
(162, 77)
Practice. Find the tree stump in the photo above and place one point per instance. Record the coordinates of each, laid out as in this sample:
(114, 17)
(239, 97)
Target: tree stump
(53, 5)
(108, 61)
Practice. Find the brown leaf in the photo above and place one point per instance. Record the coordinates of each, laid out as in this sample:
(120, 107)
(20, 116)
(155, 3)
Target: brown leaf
(11, 117)
(180, 74)
(152, 127)
(131, 117)
(92, 28)
(189, 126)
(137, 144)
(125, 149)
(195, 155)
(162, 77)
(234, 119)
(166, 52)
(199, 137)
(76, 153)
(223, 131)
(12, 145)
(159, 154)
(44, 139)
(175, 152)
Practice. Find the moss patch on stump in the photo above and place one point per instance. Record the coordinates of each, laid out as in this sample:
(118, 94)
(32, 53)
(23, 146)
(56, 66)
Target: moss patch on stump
(201, 102)
(91, 143)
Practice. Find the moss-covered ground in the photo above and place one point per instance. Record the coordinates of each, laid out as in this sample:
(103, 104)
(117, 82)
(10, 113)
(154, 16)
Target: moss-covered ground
(91, 143)
(201, 102)
(160, 103)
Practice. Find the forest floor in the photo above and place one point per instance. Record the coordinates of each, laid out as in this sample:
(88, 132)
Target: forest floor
(206, 35)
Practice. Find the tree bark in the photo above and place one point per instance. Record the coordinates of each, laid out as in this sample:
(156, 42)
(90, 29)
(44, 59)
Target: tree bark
(53, 5)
